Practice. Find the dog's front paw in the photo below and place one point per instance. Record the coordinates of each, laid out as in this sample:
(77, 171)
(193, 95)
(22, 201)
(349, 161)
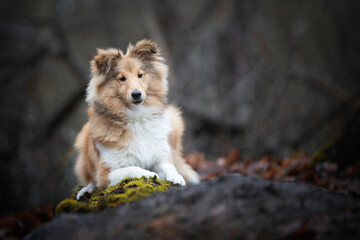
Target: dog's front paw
(117, 175)
(148, 174)
(176, 178)
(87, 189)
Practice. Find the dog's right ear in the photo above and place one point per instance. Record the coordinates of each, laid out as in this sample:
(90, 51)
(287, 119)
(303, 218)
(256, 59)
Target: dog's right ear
(104, 60)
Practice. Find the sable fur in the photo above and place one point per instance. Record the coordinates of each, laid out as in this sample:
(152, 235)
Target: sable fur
(107, 143)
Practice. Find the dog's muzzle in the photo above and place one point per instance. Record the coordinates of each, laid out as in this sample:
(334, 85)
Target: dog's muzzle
(136, 97)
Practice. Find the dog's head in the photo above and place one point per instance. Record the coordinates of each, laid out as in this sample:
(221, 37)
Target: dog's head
(126, 80)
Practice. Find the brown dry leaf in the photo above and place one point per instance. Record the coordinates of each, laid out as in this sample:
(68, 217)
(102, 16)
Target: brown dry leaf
(327, 175)
(232, 158)
(197, 161)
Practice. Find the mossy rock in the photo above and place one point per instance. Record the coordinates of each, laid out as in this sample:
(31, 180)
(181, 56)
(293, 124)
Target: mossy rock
(126, 191)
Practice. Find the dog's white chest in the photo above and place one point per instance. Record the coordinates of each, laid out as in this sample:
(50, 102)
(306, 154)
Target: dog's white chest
(148, 144)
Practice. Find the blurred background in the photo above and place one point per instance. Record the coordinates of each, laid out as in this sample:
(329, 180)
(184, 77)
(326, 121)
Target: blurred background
(262, 77)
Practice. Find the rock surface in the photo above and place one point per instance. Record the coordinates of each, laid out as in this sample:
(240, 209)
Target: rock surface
(230, 207)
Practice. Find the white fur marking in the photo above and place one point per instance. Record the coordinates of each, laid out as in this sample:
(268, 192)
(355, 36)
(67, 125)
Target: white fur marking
(89, 189)
(164, 69)
(149, 143)
(168, 172)
(193, 179)
(116, 175)
(91, 89)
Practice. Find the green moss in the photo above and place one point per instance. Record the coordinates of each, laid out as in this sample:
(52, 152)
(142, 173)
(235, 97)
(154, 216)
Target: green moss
(126, 191)
(71, 205)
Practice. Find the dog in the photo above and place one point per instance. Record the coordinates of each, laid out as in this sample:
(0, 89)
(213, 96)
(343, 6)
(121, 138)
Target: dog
(131, 131)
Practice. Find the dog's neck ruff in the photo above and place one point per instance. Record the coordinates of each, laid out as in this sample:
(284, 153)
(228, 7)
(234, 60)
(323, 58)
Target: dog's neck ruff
(130, 114)
(138, 113)
(149, 127)
(101, 110)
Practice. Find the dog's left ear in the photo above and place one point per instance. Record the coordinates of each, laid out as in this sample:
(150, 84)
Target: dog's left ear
(145, 50)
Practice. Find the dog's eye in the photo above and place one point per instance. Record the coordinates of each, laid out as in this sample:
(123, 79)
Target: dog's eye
(122, 79)
(140, 75)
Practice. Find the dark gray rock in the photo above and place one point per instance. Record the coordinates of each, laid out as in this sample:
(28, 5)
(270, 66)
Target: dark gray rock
(230, 207)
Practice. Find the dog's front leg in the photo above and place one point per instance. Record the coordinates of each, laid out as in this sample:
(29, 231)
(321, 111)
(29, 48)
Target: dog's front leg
(117, 175)
(168, 172)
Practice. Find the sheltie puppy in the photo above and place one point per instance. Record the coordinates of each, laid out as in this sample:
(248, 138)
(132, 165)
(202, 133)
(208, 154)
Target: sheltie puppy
(131, 131)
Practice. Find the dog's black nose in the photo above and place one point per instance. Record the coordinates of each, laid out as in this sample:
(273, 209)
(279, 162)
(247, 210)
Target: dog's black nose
(136, 94)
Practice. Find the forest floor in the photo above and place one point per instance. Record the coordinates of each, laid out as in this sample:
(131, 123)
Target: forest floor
(329, 175)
